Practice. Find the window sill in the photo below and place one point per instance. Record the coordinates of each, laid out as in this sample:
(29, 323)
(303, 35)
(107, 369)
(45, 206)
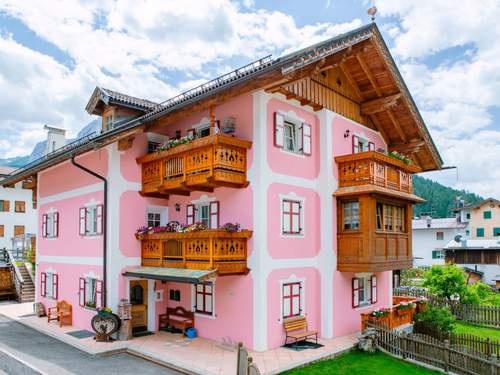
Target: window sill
(298, 154)
(90, 308)
(207, 316)
(364, 306)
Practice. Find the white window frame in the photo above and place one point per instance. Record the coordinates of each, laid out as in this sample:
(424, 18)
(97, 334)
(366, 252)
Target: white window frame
(50, 224)
(89, 292)
(49, 286)
(198, 209)
(364, 141)
(161, 210)
(193, 301)
(292, 118)
(91, 220)
(367, 289)
(293, 279)
(440, 253)
(293, 197)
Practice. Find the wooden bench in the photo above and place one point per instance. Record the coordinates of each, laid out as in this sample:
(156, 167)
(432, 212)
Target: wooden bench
(177, 317)
(296, 328)
(62, 312)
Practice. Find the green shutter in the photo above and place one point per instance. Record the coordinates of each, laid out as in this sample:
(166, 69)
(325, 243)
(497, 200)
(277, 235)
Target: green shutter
(496, 232)
(486, 214)
(480, 232)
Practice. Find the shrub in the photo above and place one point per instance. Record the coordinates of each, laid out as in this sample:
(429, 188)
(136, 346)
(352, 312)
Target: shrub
(481, 294)
(446, 281)
(439, 318)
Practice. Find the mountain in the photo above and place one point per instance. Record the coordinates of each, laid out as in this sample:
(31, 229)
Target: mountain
(440, 199)
(39, 149)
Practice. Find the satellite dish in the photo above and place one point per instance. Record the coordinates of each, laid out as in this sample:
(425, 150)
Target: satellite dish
(458, 238)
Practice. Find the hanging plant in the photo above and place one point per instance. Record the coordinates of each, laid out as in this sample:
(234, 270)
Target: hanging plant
(397, 155)
(173, 143)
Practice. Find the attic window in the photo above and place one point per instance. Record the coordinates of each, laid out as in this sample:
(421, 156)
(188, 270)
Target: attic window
(109, 121)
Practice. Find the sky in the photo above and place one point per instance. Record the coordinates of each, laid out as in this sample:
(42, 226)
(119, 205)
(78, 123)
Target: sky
(53, 54)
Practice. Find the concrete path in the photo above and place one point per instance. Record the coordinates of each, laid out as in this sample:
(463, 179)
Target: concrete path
(24, 350)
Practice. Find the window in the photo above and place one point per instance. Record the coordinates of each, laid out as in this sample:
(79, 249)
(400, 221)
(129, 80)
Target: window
(49, 285)
(438, 254)
(203, 132)
(204, 299)
(2, 231)
(467, 232)
(291, 299)
(361, 145)
(206, 213)
(152, 146)
(390, 218)
(496, 232)
(50, 225)
(467, 216)
(364, 290)
(90, 292)
(439, 236)
(291, 212)
(175, 295)
(479, 232)
(351, 215)
(20, 206)
(109, 121)
(18, 230)
(154, 219)
(292, 135)
(486, 214)
(91, 220)
(4, 206)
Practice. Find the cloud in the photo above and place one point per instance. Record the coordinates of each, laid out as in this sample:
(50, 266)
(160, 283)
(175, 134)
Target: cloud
(151, 48)
(458, 96)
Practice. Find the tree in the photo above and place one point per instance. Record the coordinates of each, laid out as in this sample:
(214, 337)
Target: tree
(446, 281)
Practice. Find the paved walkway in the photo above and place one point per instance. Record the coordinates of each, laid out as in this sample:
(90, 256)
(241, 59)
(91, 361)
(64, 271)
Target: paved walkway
(198, 356)
(24, 350)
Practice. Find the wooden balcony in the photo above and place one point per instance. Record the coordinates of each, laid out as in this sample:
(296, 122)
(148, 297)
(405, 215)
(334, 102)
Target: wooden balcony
(213, 249)
(201, 165)
(396, 318)
(375, 171)
(375, 252)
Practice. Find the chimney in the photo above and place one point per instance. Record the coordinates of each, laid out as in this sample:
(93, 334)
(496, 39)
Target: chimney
(56, 138)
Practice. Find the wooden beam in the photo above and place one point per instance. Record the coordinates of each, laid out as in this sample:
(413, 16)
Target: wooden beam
(368, 73)
(380, 129)
(351, 81)
(396, 125)
(125, 143)
(373, 106)
(409, 146)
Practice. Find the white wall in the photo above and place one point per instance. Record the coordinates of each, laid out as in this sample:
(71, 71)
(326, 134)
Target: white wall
(11, 218)
(424, 241)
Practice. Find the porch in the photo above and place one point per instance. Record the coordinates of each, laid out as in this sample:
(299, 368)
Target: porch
(197, 356)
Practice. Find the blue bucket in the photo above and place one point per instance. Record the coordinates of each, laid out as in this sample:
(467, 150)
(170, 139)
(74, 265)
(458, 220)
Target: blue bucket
(191, 333)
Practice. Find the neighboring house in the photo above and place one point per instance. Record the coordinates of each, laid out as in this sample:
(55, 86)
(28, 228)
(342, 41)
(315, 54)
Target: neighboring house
(482, 255)
(18, 215)
(483, 218)
(430, 236)
(292, 149)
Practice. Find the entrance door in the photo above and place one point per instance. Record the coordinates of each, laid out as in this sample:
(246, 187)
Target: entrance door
(139, 301)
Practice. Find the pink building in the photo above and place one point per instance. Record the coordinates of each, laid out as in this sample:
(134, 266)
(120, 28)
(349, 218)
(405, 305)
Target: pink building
(294, 150)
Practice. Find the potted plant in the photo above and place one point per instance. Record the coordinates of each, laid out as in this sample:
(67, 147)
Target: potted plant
(90, 305)
(231, 227)
(404, 307)
(397, 155)
(380, 313)
(421, 305)
(104, 311)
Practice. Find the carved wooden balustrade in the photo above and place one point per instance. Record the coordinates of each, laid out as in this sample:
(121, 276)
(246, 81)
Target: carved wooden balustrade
(375, 168)
(396, 318)
(213, 249)
(203, 164)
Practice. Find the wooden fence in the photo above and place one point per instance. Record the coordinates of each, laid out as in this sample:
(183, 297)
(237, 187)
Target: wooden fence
(433, 352)
(484, 315)
(489, 349)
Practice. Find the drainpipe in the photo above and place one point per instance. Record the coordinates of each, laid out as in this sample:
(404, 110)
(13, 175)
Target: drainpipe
(104, 225)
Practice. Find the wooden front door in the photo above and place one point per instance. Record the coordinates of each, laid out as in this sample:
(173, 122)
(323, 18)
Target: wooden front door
(139, 301)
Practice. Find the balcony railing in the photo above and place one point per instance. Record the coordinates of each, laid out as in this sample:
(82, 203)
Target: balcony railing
(213, 249)
(375, 168)
(203, 164)
(396, 318)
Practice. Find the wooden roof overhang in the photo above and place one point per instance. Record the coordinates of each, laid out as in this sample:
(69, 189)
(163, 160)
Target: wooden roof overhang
(354, 191)
(362, 53)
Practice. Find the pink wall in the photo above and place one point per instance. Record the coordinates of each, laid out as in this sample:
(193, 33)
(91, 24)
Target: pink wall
(293, 246)
(69, 177)
(347, 319)
(68, 277)
(343, 146)
(69, 242)
(312, 308)
(285, 162)
(130, 170)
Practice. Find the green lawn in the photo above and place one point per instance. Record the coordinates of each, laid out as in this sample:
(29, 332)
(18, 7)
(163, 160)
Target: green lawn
(471, 329)
(357, 362)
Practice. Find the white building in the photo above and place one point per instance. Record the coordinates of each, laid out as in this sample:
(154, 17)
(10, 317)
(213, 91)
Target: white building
(430, 236)
(17, 214)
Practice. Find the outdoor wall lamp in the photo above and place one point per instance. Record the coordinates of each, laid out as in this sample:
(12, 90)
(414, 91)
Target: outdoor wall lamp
(346, 133)
(177, 207)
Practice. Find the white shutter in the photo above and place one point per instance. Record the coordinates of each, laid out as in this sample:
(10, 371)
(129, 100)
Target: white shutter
(355, 144)
(355, 292)
(279, 130)
(295, 217)
(371, 146)
(99, 219)
(190, 214)
(306, 139)
(374, 288)
(83, 221)
(214, 215)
